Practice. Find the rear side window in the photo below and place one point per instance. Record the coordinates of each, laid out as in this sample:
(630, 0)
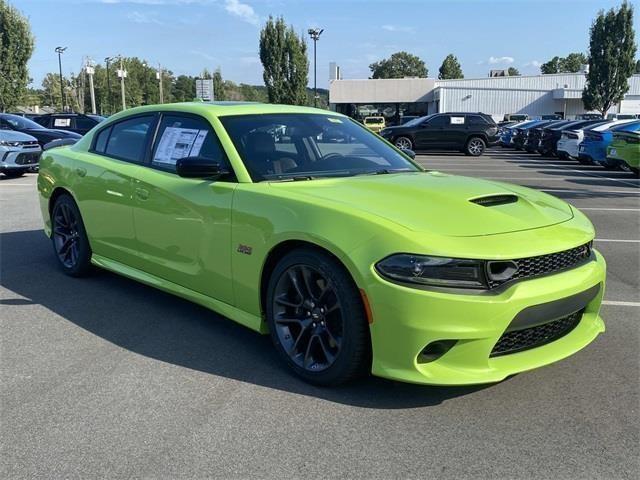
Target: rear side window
(101, 140)
(129, 138)
(185, 136)
(477, 120)
(84, 123)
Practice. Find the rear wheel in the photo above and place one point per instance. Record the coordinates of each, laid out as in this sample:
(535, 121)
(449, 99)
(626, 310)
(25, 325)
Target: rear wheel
(475, 146)
(69, 237)
(404, 143)
(316, 318)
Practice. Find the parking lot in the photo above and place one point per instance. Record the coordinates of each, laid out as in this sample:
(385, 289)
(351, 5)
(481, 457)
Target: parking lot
(105, 377)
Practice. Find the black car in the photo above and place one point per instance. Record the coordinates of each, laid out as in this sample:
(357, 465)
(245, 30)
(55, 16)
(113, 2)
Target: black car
(467, 132)
(534, 137)
(550, 135)
(521, 134)
(42, 134)
(73, 122)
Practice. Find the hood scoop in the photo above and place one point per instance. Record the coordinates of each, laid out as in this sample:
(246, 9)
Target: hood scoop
(495, 200)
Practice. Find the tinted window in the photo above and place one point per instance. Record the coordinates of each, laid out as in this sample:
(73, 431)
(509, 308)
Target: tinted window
(477, 120)
(128, 139)
(182, 137)
(101, 140)
(281, 146)
(84, 123)
(439, 121)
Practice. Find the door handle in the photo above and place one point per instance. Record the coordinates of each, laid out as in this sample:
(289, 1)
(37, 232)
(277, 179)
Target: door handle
(81, 172)
(142, 193)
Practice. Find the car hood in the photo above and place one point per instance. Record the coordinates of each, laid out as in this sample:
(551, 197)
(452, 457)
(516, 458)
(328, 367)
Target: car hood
(440, 204)
(53, 133)
(13, 136)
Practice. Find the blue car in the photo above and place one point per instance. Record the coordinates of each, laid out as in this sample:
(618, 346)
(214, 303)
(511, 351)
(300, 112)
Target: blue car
(507, 133)
(593, 149)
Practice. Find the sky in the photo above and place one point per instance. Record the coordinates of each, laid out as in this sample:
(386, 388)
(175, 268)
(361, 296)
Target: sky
(186, 36)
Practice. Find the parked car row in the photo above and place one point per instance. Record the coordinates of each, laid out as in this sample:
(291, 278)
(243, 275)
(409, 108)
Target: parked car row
(588, 141)
(22, 139)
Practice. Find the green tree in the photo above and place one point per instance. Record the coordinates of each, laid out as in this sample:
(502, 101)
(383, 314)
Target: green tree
(572, 63)
(184, 88)
(399, 65)
(285, 64)
(450, 68)
(219, 88)
(513, 72)
(612, 51)
(16, 47)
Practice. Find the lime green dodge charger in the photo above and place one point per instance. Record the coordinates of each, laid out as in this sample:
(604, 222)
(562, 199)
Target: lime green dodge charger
(302, 224)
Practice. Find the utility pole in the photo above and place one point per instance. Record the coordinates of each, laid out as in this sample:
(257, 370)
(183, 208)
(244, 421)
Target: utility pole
(107, 60)
(159, 77)
(60, 51)
(122, 73)
(90, 71)
(315, 36)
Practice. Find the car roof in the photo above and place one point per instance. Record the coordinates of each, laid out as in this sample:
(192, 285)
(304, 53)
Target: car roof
(222, 109)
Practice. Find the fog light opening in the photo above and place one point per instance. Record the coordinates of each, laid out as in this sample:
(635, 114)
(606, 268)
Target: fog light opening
(435, 350)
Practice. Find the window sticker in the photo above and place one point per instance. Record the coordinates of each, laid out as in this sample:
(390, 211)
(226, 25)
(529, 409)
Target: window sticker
(61, 122)
(179, 143)
(457, 120)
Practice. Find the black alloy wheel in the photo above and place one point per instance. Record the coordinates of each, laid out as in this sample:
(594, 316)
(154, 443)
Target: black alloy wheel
(69, 238)
(316, 318)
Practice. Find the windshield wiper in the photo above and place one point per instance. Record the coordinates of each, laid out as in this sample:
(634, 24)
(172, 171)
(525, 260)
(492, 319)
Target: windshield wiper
(385, 171)
(297, 178)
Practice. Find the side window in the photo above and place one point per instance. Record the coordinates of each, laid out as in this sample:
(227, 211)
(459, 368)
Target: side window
(61, 122)
(84, 123)
(477, 120)
(101, 140)
(181, 137)
(129, 138)
(439, 121)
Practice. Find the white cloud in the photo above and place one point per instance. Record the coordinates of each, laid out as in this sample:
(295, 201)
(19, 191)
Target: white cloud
(139, 17)
(533, 63)
(242, 10)
(252, 60)
(397, 28)
(496, 60)
(202, 54)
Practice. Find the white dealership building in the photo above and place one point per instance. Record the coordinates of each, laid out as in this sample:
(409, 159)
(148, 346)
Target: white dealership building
(533, 95)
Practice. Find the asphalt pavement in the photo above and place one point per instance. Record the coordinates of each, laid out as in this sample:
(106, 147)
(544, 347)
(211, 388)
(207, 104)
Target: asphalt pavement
(106, 378)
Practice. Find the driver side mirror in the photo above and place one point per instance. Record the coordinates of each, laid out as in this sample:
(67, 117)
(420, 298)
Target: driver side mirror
(409, 153)
(199, 167)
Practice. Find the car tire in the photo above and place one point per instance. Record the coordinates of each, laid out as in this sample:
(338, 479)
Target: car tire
(475, 147)
(403, 143)
(317, 319)
(13, 173)
(69, 237)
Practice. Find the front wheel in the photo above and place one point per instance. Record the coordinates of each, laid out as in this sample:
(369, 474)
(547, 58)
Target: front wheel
(316, 318)
(403, 143)
(69, 237)
(475, 147)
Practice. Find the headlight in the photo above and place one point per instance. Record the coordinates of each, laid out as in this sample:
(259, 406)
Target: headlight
(6, 143)
(435, 271)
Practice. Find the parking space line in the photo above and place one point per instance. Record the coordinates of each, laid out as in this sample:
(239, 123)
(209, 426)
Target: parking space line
(17, 185)
(616, 240)
(618, 303)
(622, 192)
(546, 179)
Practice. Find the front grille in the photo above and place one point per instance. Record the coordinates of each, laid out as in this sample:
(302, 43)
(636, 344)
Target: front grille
(27, 158)
(544, 264)
(519, 340)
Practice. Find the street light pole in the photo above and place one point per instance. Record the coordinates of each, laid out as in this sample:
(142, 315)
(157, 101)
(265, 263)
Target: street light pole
(315, 36)
(90, 71)
(159, 75)
(122, 73)
(107, 60)
(60, 51)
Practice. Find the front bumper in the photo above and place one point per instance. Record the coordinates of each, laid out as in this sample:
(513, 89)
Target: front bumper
(19, 158)
(412, 318)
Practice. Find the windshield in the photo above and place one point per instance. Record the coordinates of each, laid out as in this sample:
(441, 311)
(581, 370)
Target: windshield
(416, 121)
(306, 146)
(20, 123)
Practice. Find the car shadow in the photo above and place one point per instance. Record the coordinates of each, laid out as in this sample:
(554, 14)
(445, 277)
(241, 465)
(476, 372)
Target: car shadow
(164, 327)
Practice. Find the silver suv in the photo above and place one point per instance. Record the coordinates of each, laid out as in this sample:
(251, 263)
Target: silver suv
(19, 153)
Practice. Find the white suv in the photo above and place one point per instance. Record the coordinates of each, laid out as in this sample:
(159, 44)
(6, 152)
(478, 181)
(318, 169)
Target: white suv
(19, 153)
